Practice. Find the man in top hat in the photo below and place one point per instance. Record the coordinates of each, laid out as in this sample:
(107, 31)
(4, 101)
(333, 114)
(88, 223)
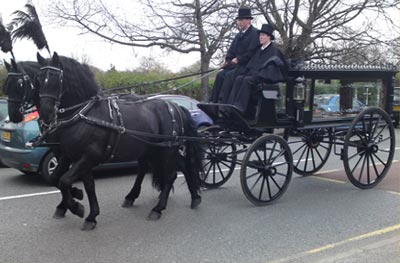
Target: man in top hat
(239, 53)
(266, 65)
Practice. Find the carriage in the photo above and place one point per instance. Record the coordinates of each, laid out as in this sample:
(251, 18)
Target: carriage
(288, 129)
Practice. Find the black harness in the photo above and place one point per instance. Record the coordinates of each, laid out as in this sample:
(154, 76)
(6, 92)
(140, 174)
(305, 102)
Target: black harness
(25, 83)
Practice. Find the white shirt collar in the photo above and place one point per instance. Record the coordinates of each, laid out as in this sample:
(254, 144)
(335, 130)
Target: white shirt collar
(262, 47)
(244, 31)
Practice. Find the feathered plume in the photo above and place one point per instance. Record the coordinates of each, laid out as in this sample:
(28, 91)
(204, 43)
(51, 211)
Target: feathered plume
(28, 26)
(5, 39)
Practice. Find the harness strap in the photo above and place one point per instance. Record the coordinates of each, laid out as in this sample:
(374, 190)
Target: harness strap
(116, 118)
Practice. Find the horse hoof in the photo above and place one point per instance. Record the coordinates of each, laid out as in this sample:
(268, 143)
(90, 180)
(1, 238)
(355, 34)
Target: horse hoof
(127, 203)
(59, 213)
(79, 211)
(77, 193)
(88, 225)
(195, 203)
(153, 216)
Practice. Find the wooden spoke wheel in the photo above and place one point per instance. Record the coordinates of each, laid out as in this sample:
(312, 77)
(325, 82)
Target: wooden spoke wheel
(310, 149)
(219, 159)
(266, 170)
(369, 148)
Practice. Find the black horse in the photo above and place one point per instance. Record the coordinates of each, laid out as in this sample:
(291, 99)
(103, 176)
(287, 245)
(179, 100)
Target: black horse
(93, 129)
(22, 95)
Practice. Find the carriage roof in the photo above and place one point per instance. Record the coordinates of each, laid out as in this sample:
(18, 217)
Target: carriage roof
(344, 71)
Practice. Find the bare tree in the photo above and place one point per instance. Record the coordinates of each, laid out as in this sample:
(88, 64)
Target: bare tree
(331, 30)
(307, 30)
(178, 25)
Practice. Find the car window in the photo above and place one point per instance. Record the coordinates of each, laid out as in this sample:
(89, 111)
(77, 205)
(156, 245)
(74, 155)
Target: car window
(3, 110)
(396, 98)
(184, 103)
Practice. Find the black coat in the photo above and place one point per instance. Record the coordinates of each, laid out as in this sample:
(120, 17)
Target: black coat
(243, 46)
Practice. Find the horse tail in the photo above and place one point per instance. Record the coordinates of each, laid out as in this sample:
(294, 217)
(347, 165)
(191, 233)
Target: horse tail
(193, 158)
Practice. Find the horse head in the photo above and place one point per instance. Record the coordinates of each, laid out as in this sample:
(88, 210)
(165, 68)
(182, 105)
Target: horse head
(64, 83)
(50, 83)
(19, 88)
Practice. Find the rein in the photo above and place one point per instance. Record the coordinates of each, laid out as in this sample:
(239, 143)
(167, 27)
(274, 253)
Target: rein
(208, 72)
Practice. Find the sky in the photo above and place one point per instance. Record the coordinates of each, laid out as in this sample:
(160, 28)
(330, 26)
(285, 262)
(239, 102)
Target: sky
(68, 41)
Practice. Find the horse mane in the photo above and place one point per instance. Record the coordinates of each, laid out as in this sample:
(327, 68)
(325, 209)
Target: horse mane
(78, 79)
(31, 68)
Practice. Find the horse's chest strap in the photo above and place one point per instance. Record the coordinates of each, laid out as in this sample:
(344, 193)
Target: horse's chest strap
(116, 122)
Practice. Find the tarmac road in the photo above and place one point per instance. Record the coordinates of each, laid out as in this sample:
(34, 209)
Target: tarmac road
(320, 218)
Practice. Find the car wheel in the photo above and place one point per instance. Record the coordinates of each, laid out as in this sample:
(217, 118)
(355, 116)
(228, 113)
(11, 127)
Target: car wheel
(48, 166)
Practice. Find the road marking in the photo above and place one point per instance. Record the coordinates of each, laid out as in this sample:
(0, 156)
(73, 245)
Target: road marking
(360, 237)
(28, 195)
(336, 244)
(393, 192)
(329, 180)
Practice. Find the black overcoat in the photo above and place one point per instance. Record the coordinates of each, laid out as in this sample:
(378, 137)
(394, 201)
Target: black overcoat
(243, 47)
(266, 65)
(257, 62)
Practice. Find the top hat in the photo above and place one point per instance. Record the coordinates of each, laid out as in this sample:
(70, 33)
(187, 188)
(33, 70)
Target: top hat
(244, 13)
(267, 29)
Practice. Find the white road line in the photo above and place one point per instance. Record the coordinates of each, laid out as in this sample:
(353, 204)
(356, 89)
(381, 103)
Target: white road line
(28, 195)
(179, 175)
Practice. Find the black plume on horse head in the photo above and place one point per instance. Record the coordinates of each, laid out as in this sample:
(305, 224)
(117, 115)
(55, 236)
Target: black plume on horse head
(5, 39)
(28, 26)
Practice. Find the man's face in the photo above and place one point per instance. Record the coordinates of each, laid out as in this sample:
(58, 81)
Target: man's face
(243, 24)
(264, 39)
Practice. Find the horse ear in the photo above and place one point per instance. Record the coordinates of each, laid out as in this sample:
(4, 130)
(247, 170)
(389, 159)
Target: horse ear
(55, 59)
(41, 60)
(14, 64)
(8, 66)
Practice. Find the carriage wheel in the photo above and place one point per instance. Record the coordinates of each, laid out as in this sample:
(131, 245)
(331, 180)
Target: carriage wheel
(266, 170)
(219, 159)
(310, 149)
(369, 148)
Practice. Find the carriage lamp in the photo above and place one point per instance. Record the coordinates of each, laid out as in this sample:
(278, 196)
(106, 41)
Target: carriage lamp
(298, 100)
(299, 88)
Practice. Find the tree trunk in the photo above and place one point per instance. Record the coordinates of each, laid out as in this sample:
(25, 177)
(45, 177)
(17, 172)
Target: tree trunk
(204, 66)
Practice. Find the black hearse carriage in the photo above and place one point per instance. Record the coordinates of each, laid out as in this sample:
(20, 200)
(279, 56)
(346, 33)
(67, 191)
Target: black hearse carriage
(296, 125)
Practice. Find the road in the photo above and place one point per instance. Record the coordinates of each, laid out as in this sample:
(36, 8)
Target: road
(320, 218)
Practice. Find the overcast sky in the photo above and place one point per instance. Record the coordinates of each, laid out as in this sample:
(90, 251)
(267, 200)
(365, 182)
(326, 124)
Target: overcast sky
(68, 42)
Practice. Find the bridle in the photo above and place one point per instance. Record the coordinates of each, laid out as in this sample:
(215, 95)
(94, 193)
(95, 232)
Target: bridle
(52, 71)
(25, 83)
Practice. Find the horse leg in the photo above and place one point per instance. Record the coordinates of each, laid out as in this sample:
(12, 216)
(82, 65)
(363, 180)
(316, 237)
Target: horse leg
(166, 186)
(135, 191)
(65, 185)
(62, 167)
(183, 165)
(90, 221)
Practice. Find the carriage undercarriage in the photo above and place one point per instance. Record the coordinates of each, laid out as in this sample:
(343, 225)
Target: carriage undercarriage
(267, 160)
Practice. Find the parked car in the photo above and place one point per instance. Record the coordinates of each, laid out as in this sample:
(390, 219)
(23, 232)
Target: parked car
(3, 115)
(331, 103)
(39, 160)
(3, 109)
(396, 106)
(200, 117)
